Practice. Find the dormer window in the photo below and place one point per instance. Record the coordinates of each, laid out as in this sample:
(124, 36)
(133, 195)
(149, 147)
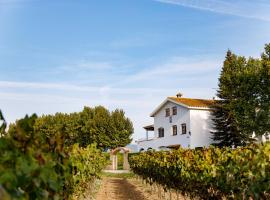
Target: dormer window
(174, 110)
(167, 112)
(161, 132)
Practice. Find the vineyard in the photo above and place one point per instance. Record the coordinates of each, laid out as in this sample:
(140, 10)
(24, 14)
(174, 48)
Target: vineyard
(213, 173)
(41, 159)
(37, 164)
(47, 171)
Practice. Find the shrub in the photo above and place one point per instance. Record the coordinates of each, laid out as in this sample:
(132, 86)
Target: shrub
(87, 163)
(40, 165)
(241, 173)
(31, 174)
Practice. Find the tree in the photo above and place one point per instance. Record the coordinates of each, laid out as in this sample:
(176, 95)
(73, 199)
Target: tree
(107, 129)
(122, 128)
(226, 131)
(3, 124)
(92, 125)
(244, 105)
(263, 112)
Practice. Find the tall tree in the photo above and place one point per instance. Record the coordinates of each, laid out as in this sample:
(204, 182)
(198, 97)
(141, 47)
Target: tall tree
(226, 131)
(3, 124)
(92, 125)
(244, 105)
(263, 112)
(107, 129)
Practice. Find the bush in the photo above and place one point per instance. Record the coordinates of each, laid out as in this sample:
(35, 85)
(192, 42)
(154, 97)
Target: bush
(215, 173)
(87, 163)
(41, 165)
(31, 174)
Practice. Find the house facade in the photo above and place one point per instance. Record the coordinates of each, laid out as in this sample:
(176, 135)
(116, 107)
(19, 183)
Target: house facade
(178, 122)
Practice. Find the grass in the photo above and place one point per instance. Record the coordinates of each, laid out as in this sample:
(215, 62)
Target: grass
(115, 175)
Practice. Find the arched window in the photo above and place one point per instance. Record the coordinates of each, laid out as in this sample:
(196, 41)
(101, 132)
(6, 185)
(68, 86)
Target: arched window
(141, 150)
(161, 132)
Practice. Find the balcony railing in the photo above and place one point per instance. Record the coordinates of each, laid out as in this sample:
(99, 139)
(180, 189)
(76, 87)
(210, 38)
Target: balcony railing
(145, 139)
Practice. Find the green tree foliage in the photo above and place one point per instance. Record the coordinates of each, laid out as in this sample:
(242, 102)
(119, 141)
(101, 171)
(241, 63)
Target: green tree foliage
(22, 132)
(92, 125)
(212, 173)
(3, 124)
(226, 131)
(263, 114)
(244, 106)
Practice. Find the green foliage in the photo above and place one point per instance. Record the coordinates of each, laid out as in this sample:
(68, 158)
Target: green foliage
(118, 175)
(120, 160)
(42, 163)
(244, 105)
(106, 155)
(49, 157)
(92, 125)
(28, 174)
(3, 124)
(213, 173)
(87, 164)
(108, 130)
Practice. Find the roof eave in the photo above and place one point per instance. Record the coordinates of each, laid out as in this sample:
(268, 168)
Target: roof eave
(178, 103)
(163, 103)
(200, 108)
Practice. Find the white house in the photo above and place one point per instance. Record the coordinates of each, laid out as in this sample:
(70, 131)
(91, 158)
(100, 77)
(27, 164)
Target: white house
(179, 121)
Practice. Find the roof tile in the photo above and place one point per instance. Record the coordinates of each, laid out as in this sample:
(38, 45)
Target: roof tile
(194, 102)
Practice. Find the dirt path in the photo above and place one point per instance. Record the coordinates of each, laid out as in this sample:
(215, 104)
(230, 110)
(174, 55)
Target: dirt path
(118, 189)
(128, 189)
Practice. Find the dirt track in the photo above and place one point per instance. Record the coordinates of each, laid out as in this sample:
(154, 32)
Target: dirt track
(128, 189)
(119, 189)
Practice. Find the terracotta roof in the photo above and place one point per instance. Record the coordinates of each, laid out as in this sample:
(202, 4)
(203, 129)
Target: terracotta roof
(190, 103)
(205, 103)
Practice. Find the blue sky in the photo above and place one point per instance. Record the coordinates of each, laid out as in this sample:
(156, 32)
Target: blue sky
(60, 55)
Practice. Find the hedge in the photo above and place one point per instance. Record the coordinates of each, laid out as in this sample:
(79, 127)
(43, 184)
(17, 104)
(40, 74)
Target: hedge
(209, 173)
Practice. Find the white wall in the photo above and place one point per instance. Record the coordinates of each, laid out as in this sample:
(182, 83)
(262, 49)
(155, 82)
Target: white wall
(201, 126)
(161, 121)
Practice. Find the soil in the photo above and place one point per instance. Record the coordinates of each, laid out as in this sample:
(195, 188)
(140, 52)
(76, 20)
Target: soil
(131, 189)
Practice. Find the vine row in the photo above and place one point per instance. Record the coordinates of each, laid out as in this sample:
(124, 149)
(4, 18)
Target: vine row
(209, 173)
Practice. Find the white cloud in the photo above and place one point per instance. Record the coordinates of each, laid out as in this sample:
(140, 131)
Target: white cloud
(174, 68)
(258, 9)
(72, 87)
(138, 94)
(15, 104)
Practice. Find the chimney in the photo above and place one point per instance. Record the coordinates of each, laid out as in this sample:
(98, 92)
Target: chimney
(179, 95)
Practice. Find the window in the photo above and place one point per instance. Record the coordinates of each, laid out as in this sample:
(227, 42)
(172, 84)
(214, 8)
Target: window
(184, 128)
(161, 132)
(167, 112)
(174, 110)
(174, 129)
